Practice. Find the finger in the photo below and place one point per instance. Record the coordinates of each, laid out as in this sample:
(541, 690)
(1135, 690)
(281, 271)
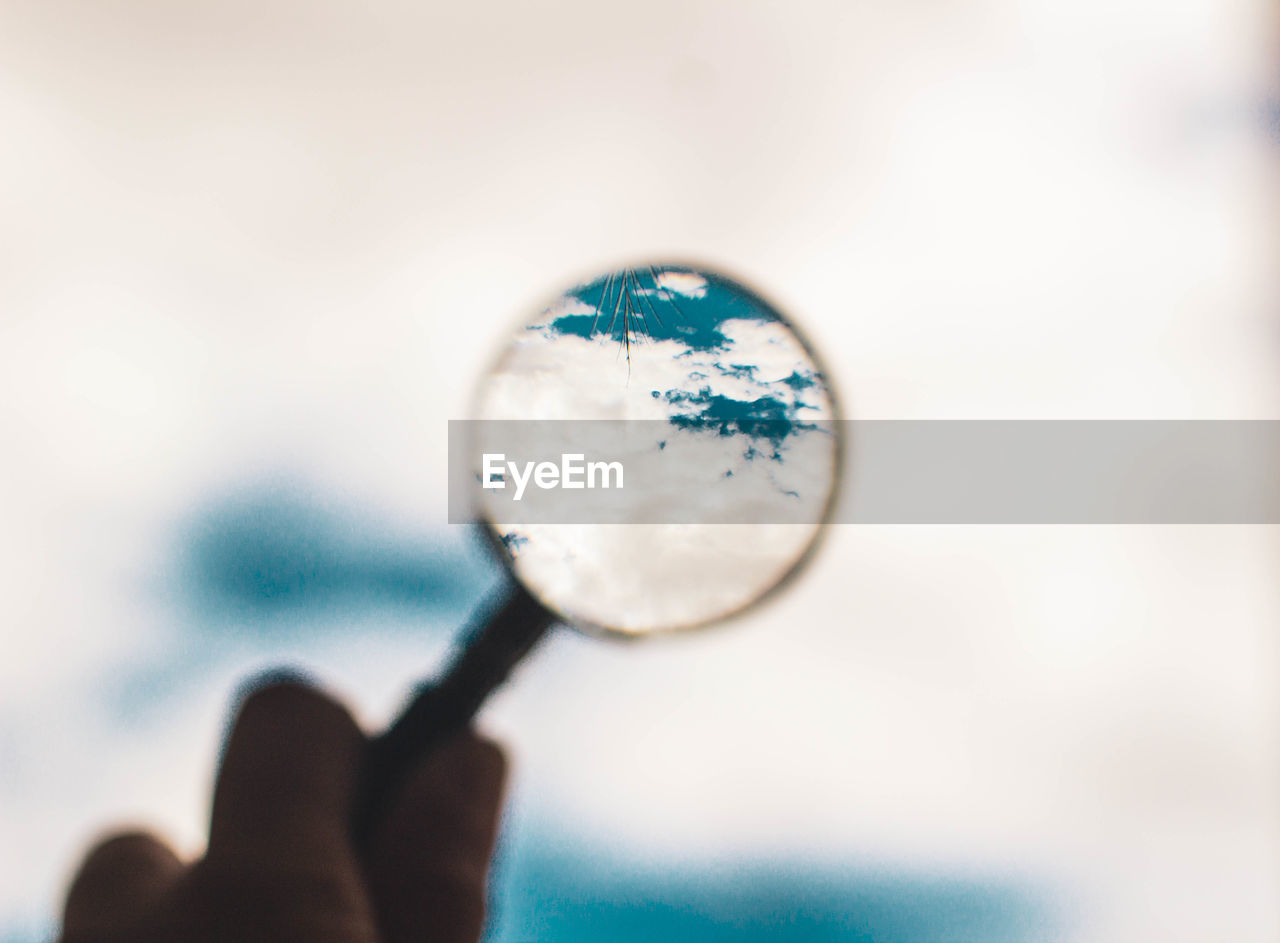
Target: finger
(119, 881)
(287, 777)
(430, 859)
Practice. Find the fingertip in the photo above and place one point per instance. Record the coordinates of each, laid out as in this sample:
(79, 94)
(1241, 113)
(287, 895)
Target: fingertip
(478, 761)
(466, 775)
(288, 768)
(285, 698)
(277, 676)
(275, 689)
(119, 877)
(127, 850)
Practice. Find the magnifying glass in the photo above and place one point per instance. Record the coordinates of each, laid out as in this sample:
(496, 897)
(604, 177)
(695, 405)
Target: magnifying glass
(699, 456)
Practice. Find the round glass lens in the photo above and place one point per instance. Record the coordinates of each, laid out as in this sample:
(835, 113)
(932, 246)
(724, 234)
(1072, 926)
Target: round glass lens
(657, 449)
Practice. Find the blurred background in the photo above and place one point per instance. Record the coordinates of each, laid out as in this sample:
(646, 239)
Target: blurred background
(254, 255)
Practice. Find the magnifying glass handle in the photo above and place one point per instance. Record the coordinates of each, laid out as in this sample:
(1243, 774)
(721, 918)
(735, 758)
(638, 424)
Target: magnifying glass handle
(505, 632)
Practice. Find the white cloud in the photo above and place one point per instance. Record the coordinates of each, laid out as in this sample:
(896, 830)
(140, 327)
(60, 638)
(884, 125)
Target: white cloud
(690, 284)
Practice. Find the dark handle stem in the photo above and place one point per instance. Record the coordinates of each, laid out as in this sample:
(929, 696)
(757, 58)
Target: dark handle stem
(505, 633)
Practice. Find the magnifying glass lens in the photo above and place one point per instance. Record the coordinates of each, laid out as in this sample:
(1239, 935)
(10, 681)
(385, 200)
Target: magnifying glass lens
(657, 450)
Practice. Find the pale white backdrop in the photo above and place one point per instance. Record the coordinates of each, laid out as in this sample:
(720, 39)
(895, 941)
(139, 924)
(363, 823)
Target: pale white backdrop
(253, 240)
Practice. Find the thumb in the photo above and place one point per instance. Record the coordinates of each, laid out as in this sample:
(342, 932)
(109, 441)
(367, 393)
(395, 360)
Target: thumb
(431, 857)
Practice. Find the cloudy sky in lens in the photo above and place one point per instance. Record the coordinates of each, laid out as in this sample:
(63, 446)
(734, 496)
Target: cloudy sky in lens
(730, 410)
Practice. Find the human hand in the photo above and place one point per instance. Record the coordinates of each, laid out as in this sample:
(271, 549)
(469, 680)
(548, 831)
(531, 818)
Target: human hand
(279, 864)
